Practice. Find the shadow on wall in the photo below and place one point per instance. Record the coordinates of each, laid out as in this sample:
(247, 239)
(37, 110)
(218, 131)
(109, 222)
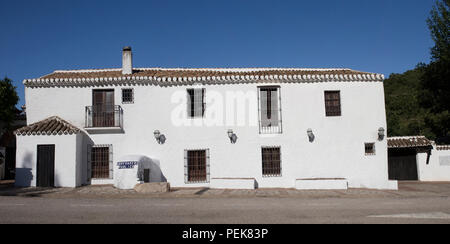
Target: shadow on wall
(85, 161)
(155, 171)
(24, 176)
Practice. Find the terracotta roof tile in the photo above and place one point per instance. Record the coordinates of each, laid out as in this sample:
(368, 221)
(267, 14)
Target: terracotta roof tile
(49, 126)
(179, 76)
(408, 141)
(442, 147)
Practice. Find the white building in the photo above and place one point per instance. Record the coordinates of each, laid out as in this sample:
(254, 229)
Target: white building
(218, 127)
(417, 158)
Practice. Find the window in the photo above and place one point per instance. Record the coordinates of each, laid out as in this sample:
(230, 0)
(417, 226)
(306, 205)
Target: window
(103, 108)
(369, 148)
(196, 165)
(127, 95)
(332, 103)
(196, 102)
(271, 161)
(270, 109)
(101, 161)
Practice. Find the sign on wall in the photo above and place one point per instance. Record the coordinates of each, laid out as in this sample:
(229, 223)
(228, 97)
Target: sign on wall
(444, 160)
(127, 164)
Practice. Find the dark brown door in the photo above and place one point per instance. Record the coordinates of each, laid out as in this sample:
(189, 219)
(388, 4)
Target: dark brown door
(100, 162)
(402, 164)
(45, 166)
(103, 108)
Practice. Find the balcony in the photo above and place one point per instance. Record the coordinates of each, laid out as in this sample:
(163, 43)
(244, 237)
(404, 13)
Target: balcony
(104, 119)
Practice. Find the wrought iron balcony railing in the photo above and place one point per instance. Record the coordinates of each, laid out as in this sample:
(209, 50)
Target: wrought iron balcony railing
(104, 116)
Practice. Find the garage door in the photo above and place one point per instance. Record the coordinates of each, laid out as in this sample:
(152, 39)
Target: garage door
(402, 164)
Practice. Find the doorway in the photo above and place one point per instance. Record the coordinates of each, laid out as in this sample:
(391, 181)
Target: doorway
(45, 166)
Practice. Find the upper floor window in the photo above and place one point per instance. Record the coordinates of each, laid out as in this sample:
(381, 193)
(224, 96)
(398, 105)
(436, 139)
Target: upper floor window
(196, 102)
(332, 103)
(270, 109)
(127, 95)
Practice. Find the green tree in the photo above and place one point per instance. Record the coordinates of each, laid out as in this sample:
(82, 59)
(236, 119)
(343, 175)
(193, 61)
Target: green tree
(435, 84)
(8, 101)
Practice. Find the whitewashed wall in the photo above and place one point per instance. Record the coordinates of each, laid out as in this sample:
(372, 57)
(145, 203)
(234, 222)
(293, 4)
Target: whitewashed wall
(438, 168)
(337, 152)
(67, 159)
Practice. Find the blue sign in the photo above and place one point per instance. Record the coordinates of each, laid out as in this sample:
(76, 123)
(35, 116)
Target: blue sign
(127, 164)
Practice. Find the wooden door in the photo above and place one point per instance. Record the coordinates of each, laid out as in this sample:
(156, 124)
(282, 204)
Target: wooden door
(103, 108)
(402, 164)
(45, 166)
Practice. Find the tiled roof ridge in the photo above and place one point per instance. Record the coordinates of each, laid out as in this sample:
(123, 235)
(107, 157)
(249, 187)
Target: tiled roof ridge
(236, 69)
(187, 76)
(442, 147)
(50, 126)
(408, 141)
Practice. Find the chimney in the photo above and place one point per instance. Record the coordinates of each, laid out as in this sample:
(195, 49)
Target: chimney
(127, 61)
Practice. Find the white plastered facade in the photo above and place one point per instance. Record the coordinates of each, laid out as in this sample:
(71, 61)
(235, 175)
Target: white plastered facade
(336, 152)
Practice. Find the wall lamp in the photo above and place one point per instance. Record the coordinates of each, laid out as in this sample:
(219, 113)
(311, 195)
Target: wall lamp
(380, 133)
(310, 135)
(232, 136)
(160, 138)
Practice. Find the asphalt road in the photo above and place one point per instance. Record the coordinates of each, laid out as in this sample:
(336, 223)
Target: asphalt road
(262, 210)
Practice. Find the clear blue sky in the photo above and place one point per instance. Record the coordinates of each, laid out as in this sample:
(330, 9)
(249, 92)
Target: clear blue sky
(383, 36)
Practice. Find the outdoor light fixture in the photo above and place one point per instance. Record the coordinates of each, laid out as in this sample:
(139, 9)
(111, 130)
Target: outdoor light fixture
(232, 136)
(160, 138)
(310, 135)
(380, 133)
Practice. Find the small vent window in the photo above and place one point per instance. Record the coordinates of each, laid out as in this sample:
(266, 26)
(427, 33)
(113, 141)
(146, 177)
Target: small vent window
(369, 148)
(127, 95)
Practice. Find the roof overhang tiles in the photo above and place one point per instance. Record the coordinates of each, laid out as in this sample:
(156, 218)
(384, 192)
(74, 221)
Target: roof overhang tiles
(49, 126)
(408, 142)
(173, 77)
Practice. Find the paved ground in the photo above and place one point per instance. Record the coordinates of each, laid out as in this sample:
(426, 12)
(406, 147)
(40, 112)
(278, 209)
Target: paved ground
(413, 203)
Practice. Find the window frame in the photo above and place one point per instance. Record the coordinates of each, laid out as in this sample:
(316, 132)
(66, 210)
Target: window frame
(191, 111)
(373, 152)
(132, 95)
(110, 160)
(330, 110)
(263, 164)
(186, 166)
(278, 129)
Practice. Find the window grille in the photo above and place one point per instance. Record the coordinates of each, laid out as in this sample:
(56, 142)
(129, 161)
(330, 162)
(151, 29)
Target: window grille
(269, 101)
(196, 166)
(332, 103)
(369, 148)
(101, 161)
(271, 161)
(196, 102)
(127, 95)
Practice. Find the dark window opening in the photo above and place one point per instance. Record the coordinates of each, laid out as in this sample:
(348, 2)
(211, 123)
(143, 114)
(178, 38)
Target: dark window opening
(271, 161)
(197, 165)
(196, 103)
(100, 162)
(269, 109)
(332, 103)
(369, 148)
(127, 95)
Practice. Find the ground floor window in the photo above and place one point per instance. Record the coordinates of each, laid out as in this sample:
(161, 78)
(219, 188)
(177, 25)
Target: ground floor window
(101, 161)
(196, 164)
(369, 148)
(271, 161)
